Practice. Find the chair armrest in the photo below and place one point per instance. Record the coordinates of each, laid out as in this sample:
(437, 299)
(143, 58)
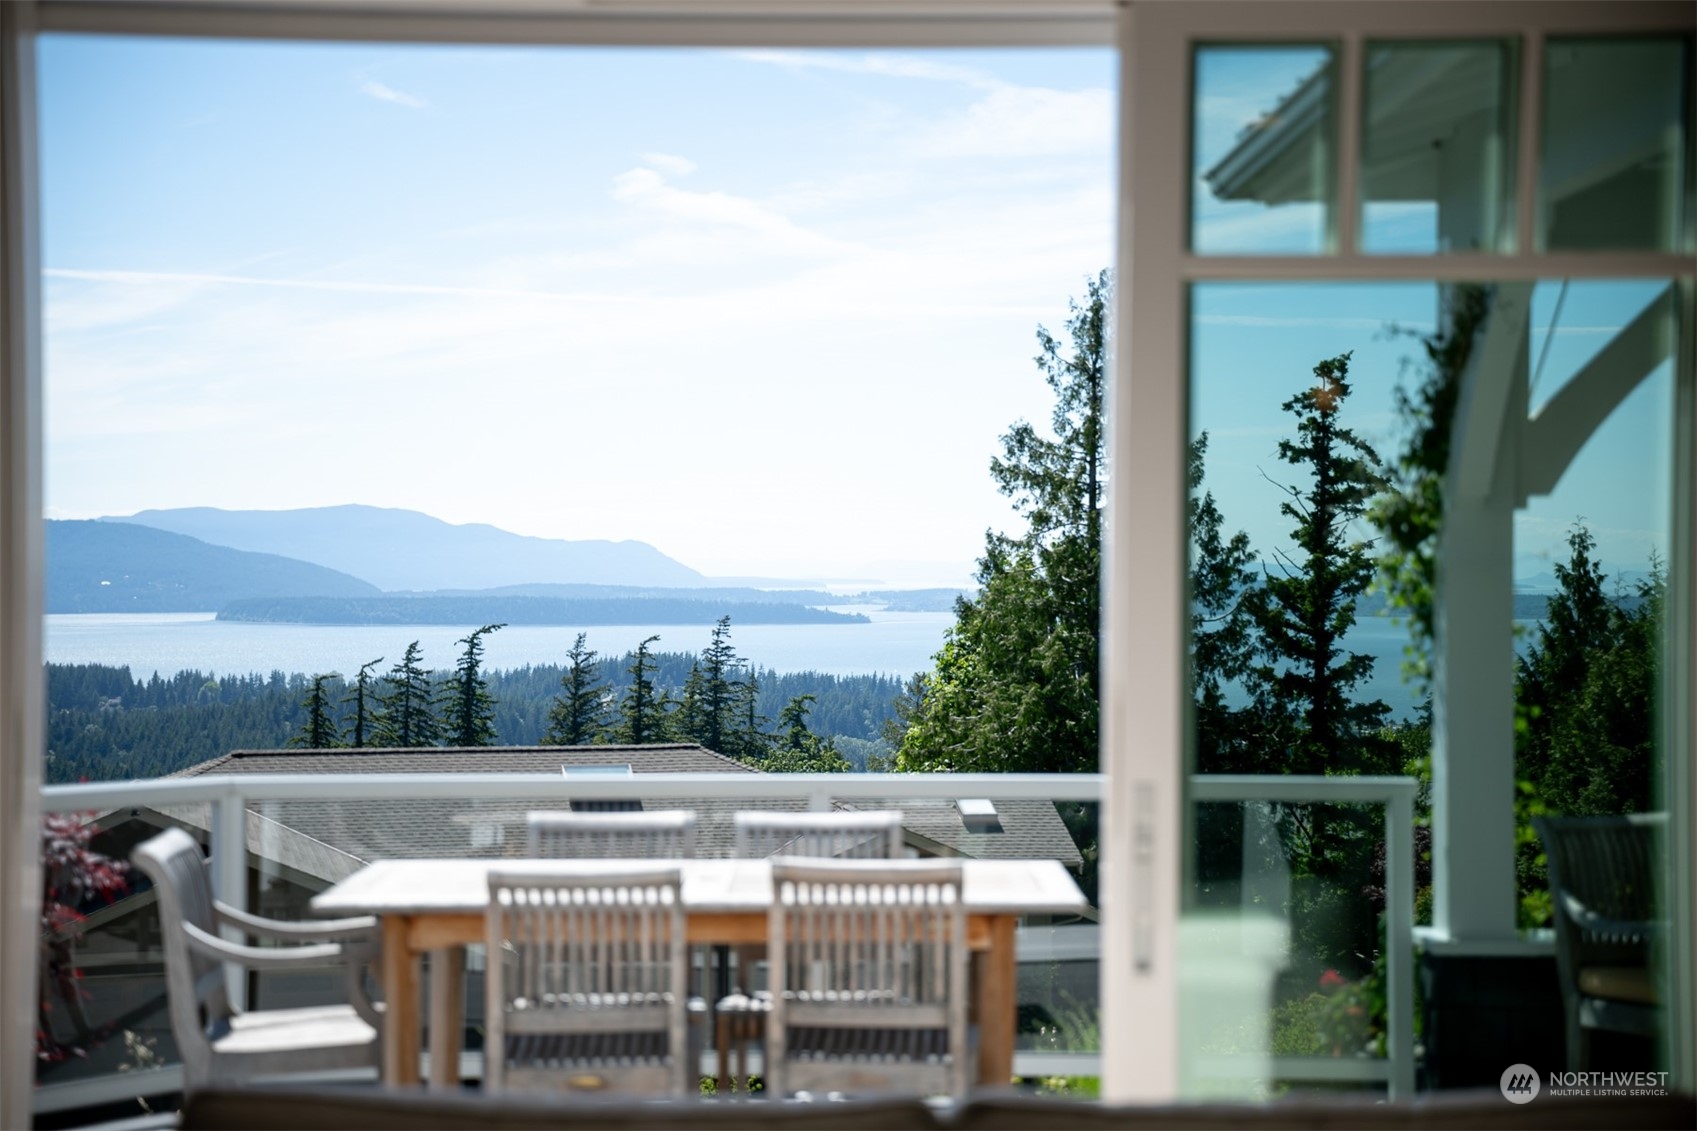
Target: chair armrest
(261, 958)
(1604, 929)
(324, 930)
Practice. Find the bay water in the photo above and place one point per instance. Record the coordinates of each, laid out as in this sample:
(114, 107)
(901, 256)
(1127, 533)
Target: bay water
(889, 643)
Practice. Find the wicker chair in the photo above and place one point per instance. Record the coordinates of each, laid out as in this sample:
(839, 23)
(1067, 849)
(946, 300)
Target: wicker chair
(665, 835)
(586, 983)
(868, 835)
(1602, 883)
(868, 978)
(221, 1044)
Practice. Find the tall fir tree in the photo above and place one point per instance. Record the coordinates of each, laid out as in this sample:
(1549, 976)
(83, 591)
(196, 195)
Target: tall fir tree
(1222, 626)
(797, 749)
(750, 742)
(319, 730)
(1015, 687)
(1307, 603)
(364, 701)
(579, 713)
(406, 707)
(708, 713)
(468, 710)
(643, 711)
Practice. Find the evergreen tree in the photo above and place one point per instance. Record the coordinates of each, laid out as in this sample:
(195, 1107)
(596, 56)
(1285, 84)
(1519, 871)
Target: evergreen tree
(642, 713)
(798, 749)
(688, 720)
(1307, 605)
(319, 730)
(750, 742)
(406, 715)
(1015, 687)
(364, 701)
(468, 710)
(1222, 625)
(1587, 688)
(719, 664)
(579, 713)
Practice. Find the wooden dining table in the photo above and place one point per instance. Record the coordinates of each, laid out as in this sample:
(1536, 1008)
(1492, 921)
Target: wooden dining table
(436, 907)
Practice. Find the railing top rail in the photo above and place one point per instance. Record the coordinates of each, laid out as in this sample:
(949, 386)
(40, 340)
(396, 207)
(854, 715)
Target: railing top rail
(350, 787)
(1300, 788)
(996, 787)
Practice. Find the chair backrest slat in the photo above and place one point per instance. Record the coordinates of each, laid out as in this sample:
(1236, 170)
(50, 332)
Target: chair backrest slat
(868, 961)
(663, 835)
(598, 959)
(868, 835)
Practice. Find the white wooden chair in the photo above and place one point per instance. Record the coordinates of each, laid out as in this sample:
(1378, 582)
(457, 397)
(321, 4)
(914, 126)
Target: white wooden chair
(222, 1044)
(874, 834)
(586, 983)
(869, 983)
(740, 1016)
(664, 835)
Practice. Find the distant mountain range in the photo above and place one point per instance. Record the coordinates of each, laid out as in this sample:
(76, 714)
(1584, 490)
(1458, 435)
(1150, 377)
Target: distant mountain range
(398, 550)
(109, 567)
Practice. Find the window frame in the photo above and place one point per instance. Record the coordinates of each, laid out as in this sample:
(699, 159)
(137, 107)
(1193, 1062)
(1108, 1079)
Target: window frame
(1145, 698)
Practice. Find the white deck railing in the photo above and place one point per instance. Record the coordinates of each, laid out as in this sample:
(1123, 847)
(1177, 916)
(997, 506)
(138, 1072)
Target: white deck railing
(230, 794)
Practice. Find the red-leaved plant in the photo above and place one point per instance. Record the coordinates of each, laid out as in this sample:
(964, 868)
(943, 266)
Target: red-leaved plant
(72, 876)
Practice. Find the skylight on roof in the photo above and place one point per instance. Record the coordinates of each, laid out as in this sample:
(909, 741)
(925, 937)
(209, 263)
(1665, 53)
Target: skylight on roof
(979, 815)
(619, 771)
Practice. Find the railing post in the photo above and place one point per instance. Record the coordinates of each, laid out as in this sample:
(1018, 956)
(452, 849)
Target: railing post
(1399, 939)
(229, 877)
(819, 800)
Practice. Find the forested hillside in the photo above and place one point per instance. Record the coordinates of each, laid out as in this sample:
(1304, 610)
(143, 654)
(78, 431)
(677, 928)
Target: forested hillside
(103, 724)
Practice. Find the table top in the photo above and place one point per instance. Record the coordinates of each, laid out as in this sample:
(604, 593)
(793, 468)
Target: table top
(460, 887)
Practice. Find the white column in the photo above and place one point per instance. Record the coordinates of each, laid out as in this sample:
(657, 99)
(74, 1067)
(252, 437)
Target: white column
(1144, 689)
(1473, 686)
(21, 692)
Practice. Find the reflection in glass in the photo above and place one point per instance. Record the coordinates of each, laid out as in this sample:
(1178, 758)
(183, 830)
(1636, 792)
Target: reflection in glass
(1437, 147)
(1263, 134)
(1615, 154)
(1545, 683)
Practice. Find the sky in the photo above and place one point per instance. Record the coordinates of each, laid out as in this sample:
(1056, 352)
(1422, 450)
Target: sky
(766, 311)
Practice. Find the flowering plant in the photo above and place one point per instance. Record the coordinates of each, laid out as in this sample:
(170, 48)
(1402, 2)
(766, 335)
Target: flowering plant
(72, 876)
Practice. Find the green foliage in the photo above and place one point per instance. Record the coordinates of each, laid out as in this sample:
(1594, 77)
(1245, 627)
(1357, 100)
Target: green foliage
(406, 714)
(1015, 685)
(798, 750)
(579, 713)
(1222, 627)
(1585, 695)
(468, 710)
(1409, 513)
(643, 713)
(319, 731)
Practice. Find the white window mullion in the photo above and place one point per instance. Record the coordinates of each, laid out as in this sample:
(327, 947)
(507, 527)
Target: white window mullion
(21, 691)
(1144, 688)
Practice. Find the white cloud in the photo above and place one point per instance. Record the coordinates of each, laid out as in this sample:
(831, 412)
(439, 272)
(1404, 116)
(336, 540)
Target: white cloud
(698, 214)
(385, 93)
(1025, 121)
(670, 163)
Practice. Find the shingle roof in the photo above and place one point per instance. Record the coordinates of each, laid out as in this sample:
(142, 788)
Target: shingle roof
(331, 838)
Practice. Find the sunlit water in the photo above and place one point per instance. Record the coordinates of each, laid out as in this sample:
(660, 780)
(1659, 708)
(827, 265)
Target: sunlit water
(892, 643)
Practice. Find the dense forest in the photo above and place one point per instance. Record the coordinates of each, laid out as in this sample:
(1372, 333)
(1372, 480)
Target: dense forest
(104, 724)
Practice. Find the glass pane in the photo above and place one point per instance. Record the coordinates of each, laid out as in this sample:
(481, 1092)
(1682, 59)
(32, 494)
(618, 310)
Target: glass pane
(1356, 614)
(1616, 151)
(1263, 135)
(1437, 148)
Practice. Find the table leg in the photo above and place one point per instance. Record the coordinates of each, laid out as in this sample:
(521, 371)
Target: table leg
(447, 1016)
(997, 1008)
(400, 1003)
